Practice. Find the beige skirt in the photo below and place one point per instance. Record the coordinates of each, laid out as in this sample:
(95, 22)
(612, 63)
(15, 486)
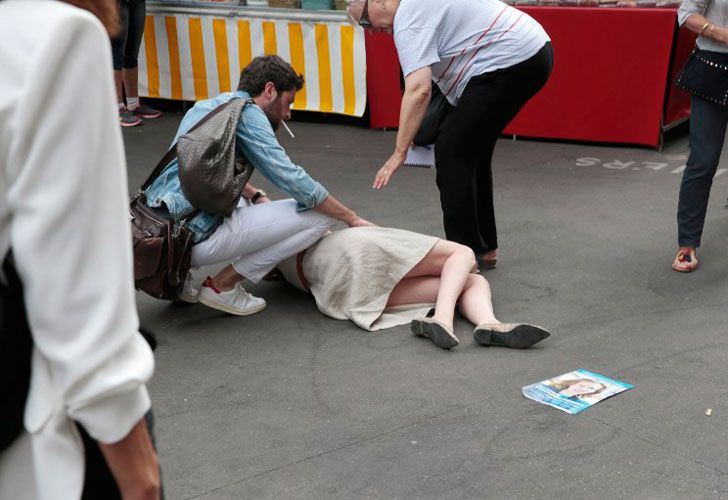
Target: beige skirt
(352, 272)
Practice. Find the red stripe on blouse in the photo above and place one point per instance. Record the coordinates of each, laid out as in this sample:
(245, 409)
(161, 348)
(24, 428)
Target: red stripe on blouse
(460, 75)
(476, 41)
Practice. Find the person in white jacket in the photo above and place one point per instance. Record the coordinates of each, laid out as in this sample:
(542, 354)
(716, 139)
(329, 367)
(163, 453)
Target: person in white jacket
(64, 216)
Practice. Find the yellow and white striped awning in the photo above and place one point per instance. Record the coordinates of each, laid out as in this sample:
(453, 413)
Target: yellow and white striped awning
(197, 55)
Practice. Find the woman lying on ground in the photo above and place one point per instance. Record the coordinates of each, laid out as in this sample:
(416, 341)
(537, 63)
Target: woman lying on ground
(383, 277)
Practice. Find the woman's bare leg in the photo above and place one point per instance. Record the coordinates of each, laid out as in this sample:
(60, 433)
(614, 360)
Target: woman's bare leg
(119, 87)
(476, 303)
(130, 78)
(433, 263)
(419, 290)
(450, 261)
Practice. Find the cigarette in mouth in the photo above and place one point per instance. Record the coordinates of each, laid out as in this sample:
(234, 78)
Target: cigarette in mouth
(288, 129)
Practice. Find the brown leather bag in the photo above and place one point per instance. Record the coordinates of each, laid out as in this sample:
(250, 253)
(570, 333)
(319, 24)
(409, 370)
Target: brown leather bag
(162, 250)
(162, 246)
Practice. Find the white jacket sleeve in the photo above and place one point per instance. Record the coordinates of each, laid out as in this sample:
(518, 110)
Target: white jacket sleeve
(70, 236)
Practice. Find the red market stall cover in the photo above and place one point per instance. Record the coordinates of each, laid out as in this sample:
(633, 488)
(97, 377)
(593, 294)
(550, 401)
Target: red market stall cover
(383, 80)
(610, 78)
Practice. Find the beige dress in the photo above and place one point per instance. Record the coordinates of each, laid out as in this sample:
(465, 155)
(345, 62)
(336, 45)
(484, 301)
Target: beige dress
(352, 272)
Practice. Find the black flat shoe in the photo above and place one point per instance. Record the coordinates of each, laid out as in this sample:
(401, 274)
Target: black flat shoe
(435, 331)
(514, 335)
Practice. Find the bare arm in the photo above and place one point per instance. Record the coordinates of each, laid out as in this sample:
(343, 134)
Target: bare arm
(334, 208)
(699, 24)
(417, 94)
(134, 464)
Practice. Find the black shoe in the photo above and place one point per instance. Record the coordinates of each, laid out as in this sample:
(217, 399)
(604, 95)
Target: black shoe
(435, 331)
(515, 335)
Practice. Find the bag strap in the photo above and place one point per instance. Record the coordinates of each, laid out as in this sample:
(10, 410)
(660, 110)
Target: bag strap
(172, 152)
(168, 157)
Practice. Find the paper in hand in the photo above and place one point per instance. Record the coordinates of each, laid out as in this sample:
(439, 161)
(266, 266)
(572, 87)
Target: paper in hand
(421, 156)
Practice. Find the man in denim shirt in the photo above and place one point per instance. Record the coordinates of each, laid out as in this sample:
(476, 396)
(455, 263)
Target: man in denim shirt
(260, 233)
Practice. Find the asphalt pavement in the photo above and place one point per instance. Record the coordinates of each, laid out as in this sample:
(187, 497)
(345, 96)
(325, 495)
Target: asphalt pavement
(291, 404)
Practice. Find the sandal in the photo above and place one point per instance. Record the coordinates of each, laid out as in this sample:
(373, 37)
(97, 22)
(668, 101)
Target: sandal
(489, 262)
(686, 260)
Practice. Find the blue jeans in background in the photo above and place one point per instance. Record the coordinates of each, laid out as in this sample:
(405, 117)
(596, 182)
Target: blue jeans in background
(707, 133)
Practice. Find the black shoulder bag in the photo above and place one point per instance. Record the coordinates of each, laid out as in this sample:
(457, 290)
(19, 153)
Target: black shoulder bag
(705, 75)
(434, 118)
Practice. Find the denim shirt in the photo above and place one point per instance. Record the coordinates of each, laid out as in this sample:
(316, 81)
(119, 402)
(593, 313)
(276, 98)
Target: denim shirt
(257, 141)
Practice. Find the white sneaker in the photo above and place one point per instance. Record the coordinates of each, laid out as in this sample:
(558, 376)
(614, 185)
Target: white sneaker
(236, 301)
(189, 293)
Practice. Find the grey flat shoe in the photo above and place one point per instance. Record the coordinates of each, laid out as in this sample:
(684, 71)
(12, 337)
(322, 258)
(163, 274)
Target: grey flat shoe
(514, 335)
(435, 331)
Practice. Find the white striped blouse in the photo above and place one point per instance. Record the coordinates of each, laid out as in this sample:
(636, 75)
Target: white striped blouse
(460, 39)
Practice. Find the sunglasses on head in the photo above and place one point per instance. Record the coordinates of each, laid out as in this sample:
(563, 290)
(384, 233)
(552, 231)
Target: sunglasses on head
(364, 19)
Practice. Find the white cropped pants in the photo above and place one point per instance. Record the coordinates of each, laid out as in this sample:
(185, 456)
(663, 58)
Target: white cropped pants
(257, 237)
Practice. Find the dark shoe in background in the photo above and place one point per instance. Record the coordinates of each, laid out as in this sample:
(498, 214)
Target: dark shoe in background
(128, 119)
(486, 263)
(144, 111)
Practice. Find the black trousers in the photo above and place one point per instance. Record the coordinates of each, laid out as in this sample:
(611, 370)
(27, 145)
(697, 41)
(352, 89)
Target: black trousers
(464, 148)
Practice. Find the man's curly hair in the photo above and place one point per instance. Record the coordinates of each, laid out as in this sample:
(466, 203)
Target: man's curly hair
(271, 68)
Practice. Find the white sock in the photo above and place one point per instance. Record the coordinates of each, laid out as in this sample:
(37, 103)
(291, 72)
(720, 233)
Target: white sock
(132, 103)
(121, 105)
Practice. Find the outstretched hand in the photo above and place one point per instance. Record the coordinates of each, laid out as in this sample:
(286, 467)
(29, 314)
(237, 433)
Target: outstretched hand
(387, 171)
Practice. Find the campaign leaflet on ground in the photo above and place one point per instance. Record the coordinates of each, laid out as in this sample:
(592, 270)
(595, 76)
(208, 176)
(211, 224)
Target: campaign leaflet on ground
(575, 391)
